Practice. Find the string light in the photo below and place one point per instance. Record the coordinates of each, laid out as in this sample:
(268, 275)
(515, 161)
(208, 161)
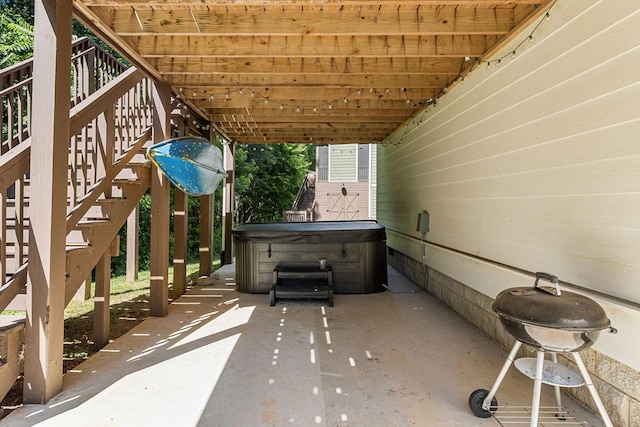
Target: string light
(512, 54)
(460, 78)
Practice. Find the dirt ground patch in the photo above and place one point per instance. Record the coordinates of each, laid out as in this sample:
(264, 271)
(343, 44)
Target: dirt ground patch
(78, 343)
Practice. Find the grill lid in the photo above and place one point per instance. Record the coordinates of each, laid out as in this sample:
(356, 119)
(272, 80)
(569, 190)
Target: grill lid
(543, 307)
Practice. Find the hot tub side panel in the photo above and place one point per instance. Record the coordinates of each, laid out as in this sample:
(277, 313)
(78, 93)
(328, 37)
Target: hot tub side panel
(357, 267)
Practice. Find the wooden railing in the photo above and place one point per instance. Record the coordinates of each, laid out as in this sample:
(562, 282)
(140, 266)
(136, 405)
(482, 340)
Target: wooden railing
(92, 68)
(110, 112)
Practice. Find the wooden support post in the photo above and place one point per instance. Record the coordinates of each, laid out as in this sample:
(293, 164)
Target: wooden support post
(133, 243)
(180, 242)
(206, 235)
(159, 291)
(102, 301)
(227, 207)
(48, 200)
(84, 291)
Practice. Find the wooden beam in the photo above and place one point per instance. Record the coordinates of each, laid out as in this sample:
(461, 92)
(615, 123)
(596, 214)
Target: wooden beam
(159, 291)
(313, 46)
(344, 116)
(303, 96)
(48, 201)
(297, 66)
(159, 4)
(326, 21)
(236, 81)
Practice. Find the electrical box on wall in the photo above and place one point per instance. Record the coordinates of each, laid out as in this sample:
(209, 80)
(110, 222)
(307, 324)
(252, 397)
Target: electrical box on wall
(423, 222)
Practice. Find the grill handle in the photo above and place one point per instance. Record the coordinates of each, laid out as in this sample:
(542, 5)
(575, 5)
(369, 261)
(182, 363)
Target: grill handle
(551, 278)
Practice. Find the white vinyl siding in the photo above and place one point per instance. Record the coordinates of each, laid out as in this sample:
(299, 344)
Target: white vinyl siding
(373, 194)
(343, 163)
(533, 165)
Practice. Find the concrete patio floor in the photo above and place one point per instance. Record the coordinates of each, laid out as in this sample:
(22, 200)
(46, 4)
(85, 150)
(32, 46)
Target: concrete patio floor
(223, 358)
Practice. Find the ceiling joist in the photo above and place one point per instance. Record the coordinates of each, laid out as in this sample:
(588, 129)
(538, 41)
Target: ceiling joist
(272, 71)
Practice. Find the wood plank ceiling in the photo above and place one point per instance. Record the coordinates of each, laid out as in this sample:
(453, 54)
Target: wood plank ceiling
(309, 71)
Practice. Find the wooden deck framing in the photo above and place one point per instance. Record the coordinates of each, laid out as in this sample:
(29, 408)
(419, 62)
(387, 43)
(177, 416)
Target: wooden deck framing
(70, 180)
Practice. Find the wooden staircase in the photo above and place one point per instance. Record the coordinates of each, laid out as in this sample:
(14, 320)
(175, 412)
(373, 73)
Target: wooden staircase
(108, 174)
(86, 243)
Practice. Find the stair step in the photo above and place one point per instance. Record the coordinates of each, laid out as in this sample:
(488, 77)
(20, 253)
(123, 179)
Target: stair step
(10, 321)
(76, 257)
(122, 186)
(86, 231)
(103, 208)
(19, 303)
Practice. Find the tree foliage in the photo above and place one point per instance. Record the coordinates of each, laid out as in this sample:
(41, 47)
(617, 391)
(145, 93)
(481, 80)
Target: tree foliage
(16, 32)
(16, 39)
(267, 179)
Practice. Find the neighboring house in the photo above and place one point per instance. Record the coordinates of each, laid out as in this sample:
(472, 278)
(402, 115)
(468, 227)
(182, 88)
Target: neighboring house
(342, 188)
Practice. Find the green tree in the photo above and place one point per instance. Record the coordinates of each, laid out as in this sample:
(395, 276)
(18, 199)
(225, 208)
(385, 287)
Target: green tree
(267, 180)
(16, 39)
(16, 32)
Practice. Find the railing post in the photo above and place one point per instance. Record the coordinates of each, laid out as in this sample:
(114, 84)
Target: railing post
(159, 290)
(48, 190)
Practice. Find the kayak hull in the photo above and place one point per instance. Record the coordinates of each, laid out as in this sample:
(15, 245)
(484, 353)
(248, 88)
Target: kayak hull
(191, 163)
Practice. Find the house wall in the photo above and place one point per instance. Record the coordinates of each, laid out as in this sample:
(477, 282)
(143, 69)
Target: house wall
(343, 162)
(533, 166)
(332, 205)
(373, 182)
(358, 199)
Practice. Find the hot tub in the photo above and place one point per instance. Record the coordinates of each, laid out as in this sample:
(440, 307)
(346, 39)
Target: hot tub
(355, 251)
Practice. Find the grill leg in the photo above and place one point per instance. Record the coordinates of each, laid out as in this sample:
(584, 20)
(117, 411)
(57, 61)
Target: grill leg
(560, 415)
(537, 386)
(507, 363)
(592, 390)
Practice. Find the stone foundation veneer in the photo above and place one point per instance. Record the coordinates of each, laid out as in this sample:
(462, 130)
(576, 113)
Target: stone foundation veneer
(618, 385)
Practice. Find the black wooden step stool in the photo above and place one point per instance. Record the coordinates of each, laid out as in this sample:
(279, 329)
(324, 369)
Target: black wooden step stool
(300, 281)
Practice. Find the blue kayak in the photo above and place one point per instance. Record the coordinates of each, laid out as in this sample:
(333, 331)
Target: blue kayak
(191, 163)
